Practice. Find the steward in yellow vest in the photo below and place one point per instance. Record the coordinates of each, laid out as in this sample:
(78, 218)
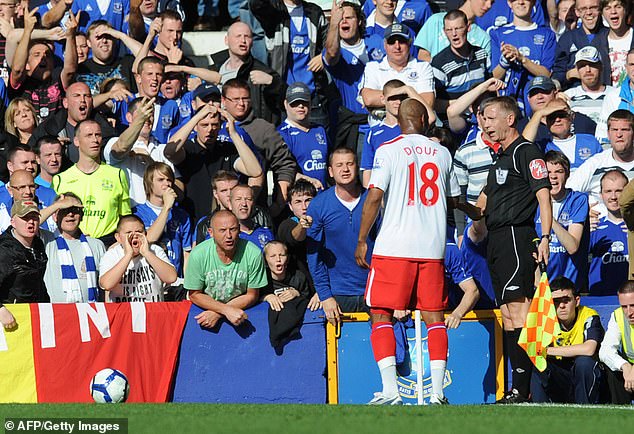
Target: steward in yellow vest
(617, 348)
(573, 374)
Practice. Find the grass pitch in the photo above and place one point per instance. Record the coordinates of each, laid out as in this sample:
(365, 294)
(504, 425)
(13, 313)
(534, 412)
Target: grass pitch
(291, 419)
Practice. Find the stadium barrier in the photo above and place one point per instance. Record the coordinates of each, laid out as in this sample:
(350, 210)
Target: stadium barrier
(56, 349)
(475, 372)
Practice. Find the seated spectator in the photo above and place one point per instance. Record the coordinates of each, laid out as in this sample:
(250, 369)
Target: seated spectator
(307, 142)
(104, 62)
(236, 98)
(564, 69)
(134, 269)
(103, 189)
(225, 274)
(22, 258)
(559, 119)
(32, 68)
(460, 66)
(616, 348)
(20, 119)
(431, 39)
(608, 241)
(540, 91)
(620, 156)
(136, 147)
(71, 274)
(241, 201)
(394, 91)
(166, 222)
(77, 107)
(521, 51)
(237, 62)
(397, 64)
(199, 159)
(615, 41)
(289, 294)
(573, 374)
(48, 154)
(336, 214)
(462, 289)
(569, 234)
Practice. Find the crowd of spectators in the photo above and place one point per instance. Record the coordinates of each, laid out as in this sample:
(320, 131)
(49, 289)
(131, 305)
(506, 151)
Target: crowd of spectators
(152, 177)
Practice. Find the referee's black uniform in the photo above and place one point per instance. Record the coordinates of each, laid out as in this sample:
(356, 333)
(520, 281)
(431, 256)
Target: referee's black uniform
(517, 174)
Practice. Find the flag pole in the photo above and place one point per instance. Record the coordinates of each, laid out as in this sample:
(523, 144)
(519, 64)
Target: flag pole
(419, 357)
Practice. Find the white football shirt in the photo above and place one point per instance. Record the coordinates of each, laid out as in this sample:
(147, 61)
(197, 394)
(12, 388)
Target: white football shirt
(416, 175)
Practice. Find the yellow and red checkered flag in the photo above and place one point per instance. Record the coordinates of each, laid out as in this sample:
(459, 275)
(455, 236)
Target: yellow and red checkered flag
(541, 325)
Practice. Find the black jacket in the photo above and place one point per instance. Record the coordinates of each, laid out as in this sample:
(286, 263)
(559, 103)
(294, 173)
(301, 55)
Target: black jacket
(22, 270)
(266, 101)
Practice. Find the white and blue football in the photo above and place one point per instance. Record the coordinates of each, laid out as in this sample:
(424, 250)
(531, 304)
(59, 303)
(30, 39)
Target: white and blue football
(109, 386)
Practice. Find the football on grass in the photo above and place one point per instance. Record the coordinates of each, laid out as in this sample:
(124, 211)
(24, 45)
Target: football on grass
(109, 386)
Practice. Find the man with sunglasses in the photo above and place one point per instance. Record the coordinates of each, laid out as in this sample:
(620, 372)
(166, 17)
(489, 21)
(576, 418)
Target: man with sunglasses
(397, 64)
(573, 373)
(72, 247)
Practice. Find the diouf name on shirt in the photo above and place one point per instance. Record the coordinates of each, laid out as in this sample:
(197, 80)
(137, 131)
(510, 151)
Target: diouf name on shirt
(421, 150)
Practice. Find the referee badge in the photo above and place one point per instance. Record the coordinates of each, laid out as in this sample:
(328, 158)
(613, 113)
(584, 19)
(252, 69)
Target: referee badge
(500, 175)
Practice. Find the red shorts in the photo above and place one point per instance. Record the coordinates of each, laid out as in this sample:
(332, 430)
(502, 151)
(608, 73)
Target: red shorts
(397, 284)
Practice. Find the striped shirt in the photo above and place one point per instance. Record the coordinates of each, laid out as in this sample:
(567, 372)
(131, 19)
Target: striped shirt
(590, 103)
(471, 165)
(455, 75)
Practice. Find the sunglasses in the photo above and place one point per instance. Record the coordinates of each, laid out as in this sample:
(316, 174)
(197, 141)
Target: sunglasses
(392, 40)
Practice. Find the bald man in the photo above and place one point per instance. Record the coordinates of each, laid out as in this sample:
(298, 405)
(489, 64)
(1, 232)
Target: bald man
(237, 62)
(78, 106)
(225, 273)
(22, 186)
(414, 174)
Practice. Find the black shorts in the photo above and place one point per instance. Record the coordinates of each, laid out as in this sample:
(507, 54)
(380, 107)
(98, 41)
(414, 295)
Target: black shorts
(510, 255)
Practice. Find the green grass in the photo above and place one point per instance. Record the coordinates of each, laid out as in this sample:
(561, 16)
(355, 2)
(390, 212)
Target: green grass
(291, 419)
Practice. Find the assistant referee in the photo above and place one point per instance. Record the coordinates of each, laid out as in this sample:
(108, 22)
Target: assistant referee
(517, 183)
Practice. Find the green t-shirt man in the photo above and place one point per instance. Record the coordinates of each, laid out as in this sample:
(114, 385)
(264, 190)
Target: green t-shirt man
(223, 282)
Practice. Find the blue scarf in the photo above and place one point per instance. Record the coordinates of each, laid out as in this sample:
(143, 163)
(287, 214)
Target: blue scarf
(70, 282)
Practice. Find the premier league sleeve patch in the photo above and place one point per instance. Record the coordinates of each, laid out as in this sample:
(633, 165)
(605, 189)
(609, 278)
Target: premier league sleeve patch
(538, 169)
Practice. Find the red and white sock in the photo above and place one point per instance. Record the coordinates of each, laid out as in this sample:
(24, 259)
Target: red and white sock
(437, 343)
(384, 348)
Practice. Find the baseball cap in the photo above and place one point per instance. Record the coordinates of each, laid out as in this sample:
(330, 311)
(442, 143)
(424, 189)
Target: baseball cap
(21, 208)
(588, 54)
(206, 90)
(297, 91)
(542, 82)
(397, 29)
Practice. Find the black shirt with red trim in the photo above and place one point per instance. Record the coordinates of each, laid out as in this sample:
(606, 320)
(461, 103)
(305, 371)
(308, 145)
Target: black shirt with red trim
(46, 96)
(514, 178)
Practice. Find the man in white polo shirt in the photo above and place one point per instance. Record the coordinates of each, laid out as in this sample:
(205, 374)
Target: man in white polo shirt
(397, 64)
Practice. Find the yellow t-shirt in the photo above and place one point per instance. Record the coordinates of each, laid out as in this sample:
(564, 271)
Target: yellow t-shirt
(104, 193)
(575, 335)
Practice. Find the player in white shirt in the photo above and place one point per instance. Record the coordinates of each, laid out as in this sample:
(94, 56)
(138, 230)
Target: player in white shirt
(414, 176)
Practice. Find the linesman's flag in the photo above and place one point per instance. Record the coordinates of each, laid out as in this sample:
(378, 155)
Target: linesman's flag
(541, 325)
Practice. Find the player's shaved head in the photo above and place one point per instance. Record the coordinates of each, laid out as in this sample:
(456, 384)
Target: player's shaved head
(413, 117)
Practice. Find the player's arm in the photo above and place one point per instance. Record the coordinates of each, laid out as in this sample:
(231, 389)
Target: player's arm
(469, 300)
(369, 214)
